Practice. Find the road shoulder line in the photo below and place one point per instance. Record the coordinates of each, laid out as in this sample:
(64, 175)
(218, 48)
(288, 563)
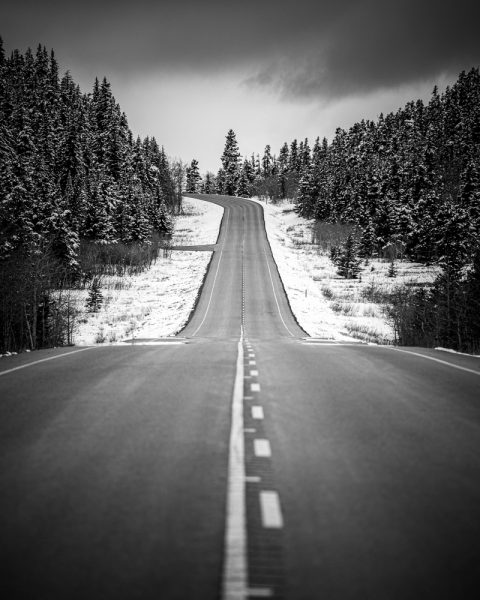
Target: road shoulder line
(36, 362)
(443, 362)
(214, 280)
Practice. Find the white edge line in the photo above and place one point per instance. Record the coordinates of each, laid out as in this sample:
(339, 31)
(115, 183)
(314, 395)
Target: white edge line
(274, 293)
(36, 362)
(235, 576)
(443, 362)
(214, 281)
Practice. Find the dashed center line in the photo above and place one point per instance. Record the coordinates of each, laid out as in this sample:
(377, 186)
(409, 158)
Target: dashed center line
(253, 479)
(270, 508)
(262, 448)
(260, 593)
(257, 412)
(256, 568)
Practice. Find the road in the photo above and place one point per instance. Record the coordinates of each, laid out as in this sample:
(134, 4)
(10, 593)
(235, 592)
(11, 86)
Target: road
(241, 459)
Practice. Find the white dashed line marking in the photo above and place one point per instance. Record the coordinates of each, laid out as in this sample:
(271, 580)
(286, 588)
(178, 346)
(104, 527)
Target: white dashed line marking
(257, 412)
(254, 373)
(262, 448)
(252, 362)
(255, 387)
(253, 479)
(251, 355)
(271, 511)
(249, 430)
(259, 593)
(248, 397)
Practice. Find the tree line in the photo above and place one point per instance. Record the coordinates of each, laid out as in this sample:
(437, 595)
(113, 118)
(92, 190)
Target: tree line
(75, 188)
(409, 183)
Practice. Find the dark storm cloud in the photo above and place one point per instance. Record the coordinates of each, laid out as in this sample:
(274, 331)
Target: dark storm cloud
(301, 48)
(365, 46)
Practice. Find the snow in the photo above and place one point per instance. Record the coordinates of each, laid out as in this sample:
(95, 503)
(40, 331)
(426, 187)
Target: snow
(157, 302)
(325, 304)
(440, 349)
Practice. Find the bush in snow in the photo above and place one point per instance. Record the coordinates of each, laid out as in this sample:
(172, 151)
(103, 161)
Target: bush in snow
(95, 297)
(346, 259)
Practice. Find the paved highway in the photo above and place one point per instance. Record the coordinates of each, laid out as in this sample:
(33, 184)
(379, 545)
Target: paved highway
(240, 460)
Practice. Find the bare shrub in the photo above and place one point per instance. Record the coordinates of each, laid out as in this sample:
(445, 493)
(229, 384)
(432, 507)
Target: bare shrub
(36, 310)
(328, 292)
(373, 292)
(327, 235)
(100, 337)
(367, 333)
(118, 258)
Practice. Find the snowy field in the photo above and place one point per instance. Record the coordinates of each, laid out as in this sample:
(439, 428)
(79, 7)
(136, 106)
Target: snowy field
(158, 302)
(325, 304)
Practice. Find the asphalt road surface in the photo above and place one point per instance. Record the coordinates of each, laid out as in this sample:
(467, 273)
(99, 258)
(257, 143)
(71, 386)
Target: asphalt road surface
(241, 459)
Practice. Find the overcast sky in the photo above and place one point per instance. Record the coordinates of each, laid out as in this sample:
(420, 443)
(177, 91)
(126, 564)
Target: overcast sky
(186, 71)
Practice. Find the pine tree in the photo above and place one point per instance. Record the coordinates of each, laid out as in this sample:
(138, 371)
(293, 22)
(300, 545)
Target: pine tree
(307, 194)
(283, 158)
(305, 157)
(392, 269)
(209, 184)
(193, 177)
(243, 189)
(368, 240)
(230, 162)
(267, 162)
(220, 185)
(294, 162)
(347, 261)
(95, 297)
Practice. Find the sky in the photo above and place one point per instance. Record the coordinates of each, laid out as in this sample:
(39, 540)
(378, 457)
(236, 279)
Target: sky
(187, 71)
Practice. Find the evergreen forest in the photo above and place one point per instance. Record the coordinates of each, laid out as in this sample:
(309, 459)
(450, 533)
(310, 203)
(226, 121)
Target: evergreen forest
(78, 196)
(410, 185)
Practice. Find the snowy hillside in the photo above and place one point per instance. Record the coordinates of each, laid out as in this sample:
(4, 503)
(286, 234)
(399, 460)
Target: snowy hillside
(155, 303)
(325, 304)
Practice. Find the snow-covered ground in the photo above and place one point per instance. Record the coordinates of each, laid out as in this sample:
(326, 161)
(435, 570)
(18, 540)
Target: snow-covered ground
(158, 302)
(325, 304)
